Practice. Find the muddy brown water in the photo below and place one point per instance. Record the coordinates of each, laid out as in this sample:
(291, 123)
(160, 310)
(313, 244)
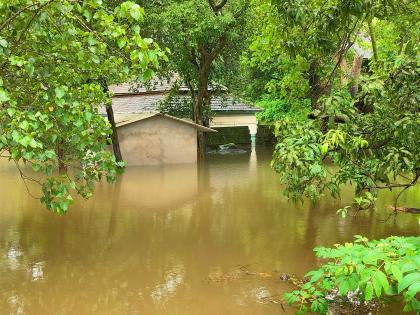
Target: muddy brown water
(172, 240)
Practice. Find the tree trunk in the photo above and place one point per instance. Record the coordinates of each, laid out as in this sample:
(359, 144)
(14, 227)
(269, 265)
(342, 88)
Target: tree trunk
(62, 168)
(343, 72)
(373, 40)
(315, 92)
(314, 84)
(401, 45)
(355, 73)
(111, 119)
(114, 136)
(198, 106)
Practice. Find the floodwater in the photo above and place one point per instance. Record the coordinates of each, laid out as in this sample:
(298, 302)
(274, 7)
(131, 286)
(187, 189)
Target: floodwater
(172, 240)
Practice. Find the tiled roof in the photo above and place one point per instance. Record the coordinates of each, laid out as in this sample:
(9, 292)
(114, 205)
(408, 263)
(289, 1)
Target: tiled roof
(149, 102)
(132, 98)
(122, 120)
(136, 104)
(155, 86)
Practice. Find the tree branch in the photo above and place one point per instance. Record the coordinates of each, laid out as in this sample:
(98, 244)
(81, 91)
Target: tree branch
(373, 40)
(217, 7)
(16, 15)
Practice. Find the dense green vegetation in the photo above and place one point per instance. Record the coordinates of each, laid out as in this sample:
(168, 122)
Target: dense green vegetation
(56, 60)
(339, 80)
(362, 271)
(206, 39)
(327, 106)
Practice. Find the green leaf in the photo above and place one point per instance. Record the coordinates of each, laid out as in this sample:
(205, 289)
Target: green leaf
(147, 75)
(414, 289)
(88, 116)
(50, 154)
(344, 287)
(33, 144)
(11, 111)
(3, 42)
(36, 167)
(60, 92)
(4, 96)
(25, 141)
(396, 272)
(377, 286)
(30, 69)
(24, 125)
(382, 279)
(314, 306)
(407, 280)
(324, 148)
(368, 292)
(122, 42)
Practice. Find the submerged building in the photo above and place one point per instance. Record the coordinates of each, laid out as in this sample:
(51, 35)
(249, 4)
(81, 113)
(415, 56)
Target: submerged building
(157, 139)
(226, 111)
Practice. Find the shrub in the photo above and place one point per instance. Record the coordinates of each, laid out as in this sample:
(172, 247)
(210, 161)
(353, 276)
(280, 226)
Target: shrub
(364, 270)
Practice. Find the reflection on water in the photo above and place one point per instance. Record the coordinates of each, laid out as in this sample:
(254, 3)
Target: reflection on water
(168, 288)
(148, 244)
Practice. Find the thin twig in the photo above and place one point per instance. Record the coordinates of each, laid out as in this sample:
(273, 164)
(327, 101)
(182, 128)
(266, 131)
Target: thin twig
(16, 15)
(25, 178)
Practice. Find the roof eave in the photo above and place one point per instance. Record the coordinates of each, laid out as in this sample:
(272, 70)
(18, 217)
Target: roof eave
(192, 124)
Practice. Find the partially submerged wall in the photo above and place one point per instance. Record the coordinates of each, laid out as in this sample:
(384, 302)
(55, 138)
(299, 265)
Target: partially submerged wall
(158, 141)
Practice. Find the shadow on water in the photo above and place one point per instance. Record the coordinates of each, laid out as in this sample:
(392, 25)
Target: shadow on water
(149, 243)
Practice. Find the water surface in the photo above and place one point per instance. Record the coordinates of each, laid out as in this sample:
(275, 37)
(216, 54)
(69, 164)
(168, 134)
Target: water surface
(172, 240)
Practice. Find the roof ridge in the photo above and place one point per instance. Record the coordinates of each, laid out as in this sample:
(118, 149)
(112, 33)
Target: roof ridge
(144, 116)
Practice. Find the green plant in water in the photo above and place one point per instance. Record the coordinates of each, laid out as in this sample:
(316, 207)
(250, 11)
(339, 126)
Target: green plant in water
(363, 270)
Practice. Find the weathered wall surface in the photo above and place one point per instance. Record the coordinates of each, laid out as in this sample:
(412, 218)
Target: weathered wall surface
(158, 141)
(232, 120)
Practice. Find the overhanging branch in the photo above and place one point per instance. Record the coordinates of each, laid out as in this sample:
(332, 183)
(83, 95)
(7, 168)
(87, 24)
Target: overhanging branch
(217, 7)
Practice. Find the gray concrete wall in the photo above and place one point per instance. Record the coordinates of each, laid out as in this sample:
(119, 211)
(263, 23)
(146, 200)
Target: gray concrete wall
(158, 141)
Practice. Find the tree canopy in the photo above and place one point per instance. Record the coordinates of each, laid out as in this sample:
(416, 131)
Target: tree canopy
(327, 107)
(54, 57)
(205, 38)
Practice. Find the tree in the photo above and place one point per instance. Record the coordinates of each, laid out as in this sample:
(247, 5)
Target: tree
(56, 60)
(204, 37)
(366, 124)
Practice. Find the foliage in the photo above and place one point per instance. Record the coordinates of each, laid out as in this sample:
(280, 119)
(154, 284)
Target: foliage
(175, 104)
(205, 40)
(374, 151)
(365, 124)
(275, 109)
(268, 67)
(54, 58)
(363, 128)
(188, 26)
(367, 270)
